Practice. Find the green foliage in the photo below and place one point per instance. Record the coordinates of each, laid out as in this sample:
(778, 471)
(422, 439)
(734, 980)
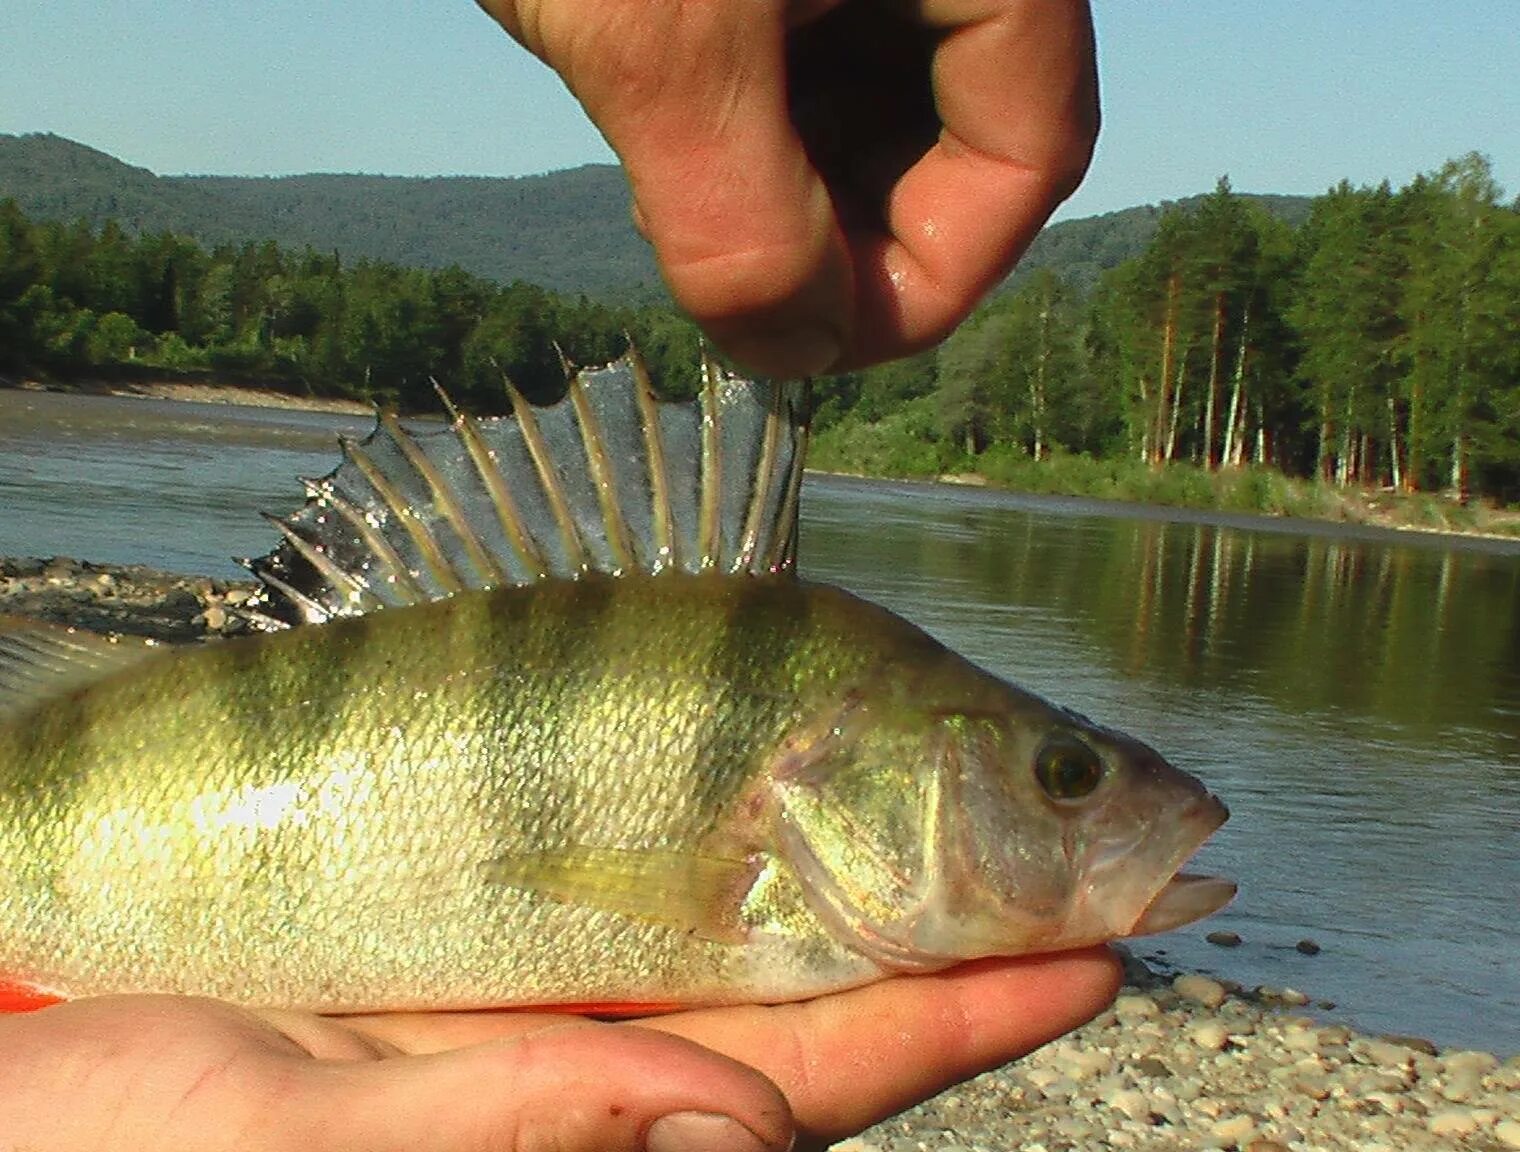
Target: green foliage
(76, 301)
(1372, 347)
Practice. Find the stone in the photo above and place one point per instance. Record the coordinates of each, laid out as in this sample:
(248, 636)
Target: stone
(1308, 947)
(1468, 1061)
(1382, 1053)
(1462, 1086)
(1210, 1035)
(1135, 1007)
(1271, 994)
(1152, 1067)
(1234, 1131)
(1452, 1122)
(1131, 1102)
(1413, 1043)
(1199, 989)
(1085, 1063)
(1222, 939)
(1264, 1145)
(1301, 1039)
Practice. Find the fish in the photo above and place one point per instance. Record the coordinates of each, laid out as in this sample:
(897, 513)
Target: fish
(537, 711)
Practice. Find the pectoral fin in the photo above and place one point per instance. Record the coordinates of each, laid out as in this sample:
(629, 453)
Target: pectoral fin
(689, 892)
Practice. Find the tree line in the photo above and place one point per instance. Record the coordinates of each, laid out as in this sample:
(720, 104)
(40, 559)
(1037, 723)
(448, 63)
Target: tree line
(78, 301)
(1378, 343)
(1374, 344)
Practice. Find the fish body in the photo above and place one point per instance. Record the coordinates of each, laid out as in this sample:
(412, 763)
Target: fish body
(659, 787)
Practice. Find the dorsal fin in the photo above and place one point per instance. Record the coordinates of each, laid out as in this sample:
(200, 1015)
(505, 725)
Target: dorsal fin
(608, 479)
(39, 660)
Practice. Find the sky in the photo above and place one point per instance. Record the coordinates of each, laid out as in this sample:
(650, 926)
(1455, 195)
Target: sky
(1282, 97)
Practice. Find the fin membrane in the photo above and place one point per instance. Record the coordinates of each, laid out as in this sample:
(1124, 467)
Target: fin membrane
(609, 479)
(39, 660)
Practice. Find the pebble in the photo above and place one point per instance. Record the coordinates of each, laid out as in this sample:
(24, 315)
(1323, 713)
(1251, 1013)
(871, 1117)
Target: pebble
(1452, 1122)
(1135, 1007)
(1308, 947)
(1274, 995)
(1234, 1130)
(1224, 939)
(1209, 1035)
(1199, 989)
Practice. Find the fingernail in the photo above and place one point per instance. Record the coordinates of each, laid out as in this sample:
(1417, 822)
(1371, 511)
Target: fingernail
(807, 350)
(701, 1132)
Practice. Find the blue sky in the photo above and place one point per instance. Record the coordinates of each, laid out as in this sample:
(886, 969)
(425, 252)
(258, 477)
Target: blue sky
(1287, 97)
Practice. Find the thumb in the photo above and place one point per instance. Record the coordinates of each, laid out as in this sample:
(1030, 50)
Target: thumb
(693, 98)
(580, 1086)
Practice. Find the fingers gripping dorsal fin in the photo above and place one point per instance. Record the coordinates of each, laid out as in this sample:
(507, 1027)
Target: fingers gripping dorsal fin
(609, 479)
(39, 661)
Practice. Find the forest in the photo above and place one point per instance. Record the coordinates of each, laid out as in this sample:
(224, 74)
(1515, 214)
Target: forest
(1374, 344)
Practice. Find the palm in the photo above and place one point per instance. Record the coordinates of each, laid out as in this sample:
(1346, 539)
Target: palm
(174, 1072)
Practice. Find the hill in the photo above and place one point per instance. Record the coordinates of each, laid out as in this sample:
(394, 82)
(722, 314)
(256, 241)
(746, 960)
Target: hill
(569, 231)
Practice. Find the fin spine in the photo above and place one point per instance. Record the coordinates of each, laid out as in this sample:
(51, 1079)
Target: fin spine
(709, 539)
(770, 447)
(783, 550)
(443, 500)
(319, 559)
(414, 529)
(374, 540)
(619, 538)
(507, 514)
(554, 492)
(432, 553)
(662, 518)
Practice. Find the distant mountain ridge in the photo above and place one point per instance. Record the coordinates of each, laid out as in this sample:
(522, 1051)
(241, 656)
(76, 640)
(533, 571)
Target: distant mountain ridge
(569, 231)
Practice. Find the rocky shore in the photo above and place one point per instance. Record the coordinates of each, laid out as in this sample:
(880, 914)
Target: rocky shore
(1178, 1063)
(1192, 1062)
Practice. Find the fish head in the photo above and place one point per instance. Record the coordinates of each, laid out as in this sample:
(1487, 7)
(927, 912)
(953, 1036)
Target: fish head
(1008, 827)
(1065, 833)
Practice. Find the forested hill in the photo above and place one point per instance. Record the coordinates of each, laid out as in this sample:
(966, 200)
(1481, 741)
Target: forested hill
(567, 231)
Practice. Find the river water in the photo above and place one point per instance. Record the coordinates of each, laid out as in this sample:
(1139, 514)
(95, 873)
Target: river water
(1354, 696)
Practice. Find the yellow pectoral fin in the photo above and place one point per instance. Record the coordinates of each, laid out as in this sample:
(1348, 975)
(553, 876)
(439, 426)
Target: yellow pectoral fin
(692, 893)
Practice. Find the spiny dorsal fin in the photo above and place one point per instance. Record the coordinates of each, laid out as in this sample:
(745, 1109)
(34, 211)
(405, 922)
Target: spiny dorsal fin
(609, 479)
(39, 660)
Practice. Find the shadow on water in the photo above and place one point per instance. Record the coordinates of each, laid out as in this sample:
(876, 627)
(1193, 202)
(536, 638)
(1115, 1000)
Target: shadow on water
(1355, 697)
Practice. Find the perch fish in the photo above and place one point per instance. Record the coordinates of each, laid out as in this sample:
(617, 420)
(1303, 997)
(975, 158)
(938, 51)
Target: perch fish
(539, 712)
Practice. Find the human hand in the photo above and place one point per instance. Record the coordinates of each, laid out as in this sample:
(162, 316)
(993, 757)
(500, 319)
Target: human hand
(150, 1073)
(829, 183)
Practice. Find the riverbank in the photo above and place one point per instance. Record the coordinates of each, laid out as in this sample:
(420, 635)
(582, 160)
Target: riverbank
(1248, 491)
(197, 392)
(1180, 1062)
(1196, 1063)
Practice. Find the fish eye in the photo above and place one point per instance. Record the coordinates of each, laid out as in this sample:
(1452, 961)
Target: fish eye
(1067, 769)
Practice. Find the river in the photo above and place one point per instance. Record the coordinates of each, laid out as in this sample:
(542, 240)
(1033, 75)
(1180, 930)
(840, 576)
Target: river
(1353, 695)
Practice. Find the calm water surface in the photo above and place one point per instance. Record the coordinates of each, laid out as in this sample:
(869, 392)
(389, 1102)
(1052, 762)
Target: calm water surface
(1355, 700)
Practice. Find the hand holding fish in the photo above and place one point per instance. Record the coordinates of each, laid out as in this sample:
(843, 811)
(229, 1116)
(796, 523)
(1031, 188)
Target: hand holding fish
(829, 184)
(187, 1074)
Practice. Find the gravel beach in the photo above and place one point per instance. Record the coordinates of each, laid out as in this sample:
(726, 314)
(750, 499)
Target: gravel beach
(1179, 1062)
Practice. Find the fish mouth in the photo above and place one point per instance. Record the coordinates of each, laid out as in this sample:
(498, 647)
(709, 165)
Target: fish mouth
(1185, 898)
(1188, 896)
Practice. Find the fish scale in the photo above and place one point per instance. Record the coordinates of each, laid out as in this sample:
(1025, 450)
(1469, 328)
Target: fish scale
(681, 776)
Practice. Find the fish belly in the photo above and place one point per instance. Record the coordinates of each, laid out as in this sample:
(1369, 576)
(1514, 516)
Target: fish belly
(311, 819)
